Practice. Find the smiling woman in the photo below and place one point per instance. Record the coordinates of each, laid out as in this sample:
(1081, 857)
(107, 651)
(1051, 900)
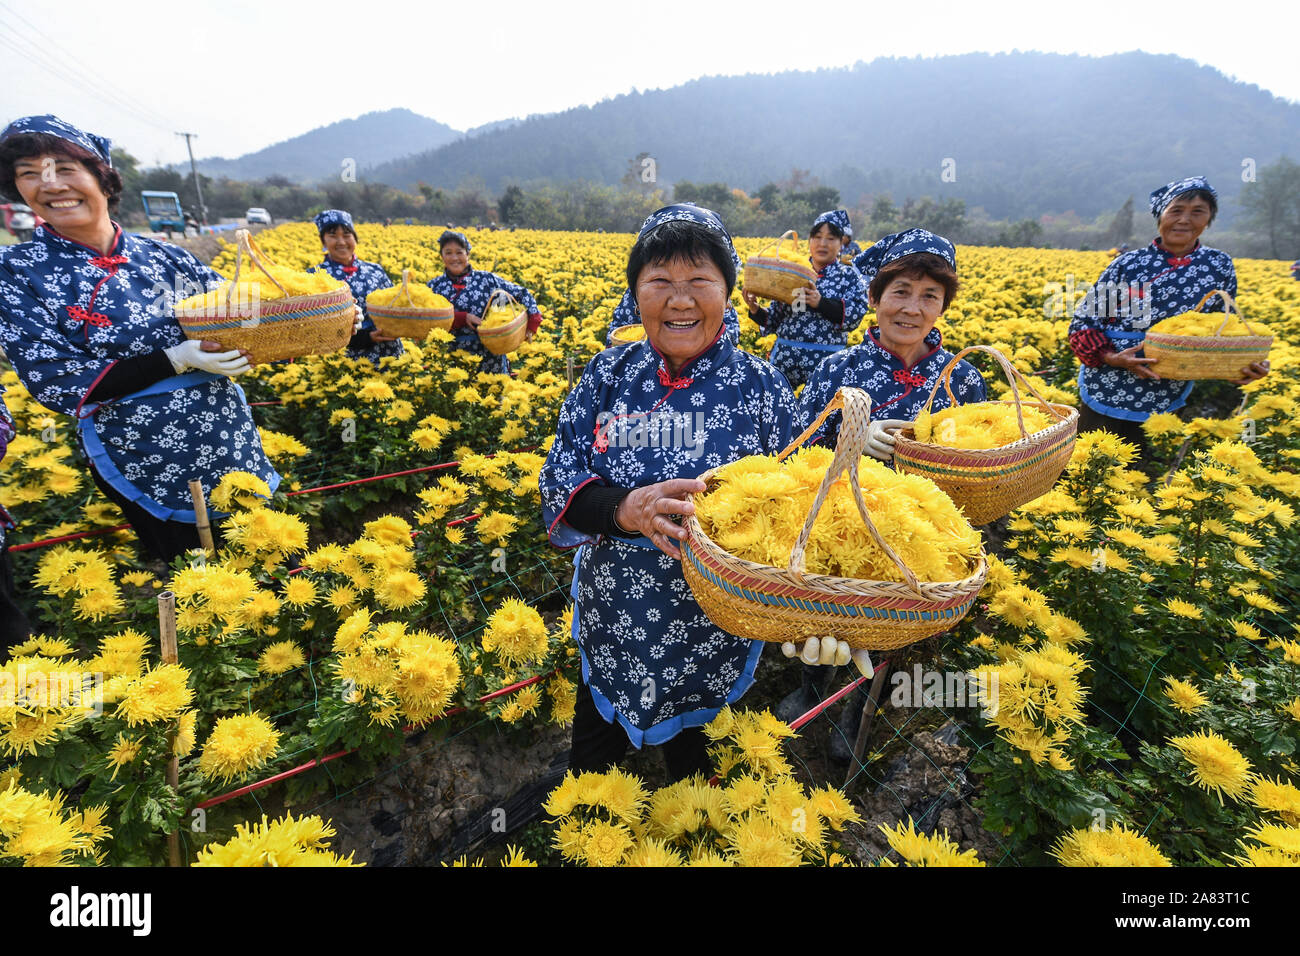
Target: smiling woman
(644, 421)
(912, 279)
(469, 290)
(1117, 391)
(338, 239)
(87, 321)
(820, 324)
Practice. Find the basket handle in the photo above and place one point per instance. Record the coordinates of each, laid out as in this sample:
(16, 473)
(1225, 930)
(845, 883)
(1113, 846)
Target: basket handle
(492, 298)
(1229, 306)
(788, 234)
(244, 244)
(1012, 373)
(856, 405)
(403, 290)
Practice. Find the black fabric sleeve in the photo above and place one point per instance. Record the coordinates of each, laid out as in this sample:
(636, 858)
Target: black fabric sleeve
(592, 510)
(832, 310)
(360, 341)
(131, 375)
(761, 317)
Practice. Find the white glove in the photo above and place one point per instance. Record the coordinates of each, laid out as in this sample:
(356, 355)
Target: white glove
(881, 438)
(190, 354)
(829, 651)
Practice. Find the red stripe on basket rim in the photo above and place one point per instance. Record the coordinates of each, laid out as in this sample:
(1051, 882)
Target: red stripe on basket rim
(739, 579)
(1207, 341)
(435, 315)
(299, 303)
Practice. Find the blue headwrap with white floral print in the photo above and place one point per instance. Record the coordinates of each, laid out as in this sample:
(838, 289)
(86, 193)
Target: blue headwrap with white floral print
(839, 218)
(906, 243)
(334, 217)
(451, 235)
(689, 212)
(1162, 197)
(51, 125)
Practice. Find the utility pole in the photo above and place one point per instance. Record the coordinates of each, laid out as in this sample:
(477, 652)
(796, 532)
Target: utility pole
(203, 209)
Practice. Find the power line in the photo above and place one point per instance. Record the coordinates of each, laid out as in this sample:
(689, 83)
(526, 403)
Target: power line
(72, 64)
(77, 83)
(53, 70)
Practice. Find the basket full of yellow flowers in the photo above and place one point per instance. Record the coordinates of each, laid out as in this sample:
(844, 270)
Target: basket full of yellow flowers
(275, 312)
(819, 543)
(627, 334)
(504, 325)
(1200, 345)
(411, 310)
(777, 272)
(990, 457)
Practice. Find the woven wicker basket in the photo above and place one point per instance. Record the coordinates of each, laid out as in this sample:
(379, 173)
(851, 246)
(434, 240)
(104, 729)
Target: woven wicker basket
(772, 277)
(1192, 357)
(400, 317)
(626, 335)
(504, 338)
(276, 329)
(764, 603)
(987, 483)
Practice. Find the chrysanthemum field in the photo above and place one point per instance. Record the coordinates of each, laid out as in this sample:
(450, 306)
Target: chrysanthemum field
(1141, 634)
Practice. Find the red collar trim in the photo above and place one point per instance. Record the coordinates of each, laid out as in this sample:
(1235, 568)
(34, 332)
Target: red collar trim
(906, 367)
(113, 250)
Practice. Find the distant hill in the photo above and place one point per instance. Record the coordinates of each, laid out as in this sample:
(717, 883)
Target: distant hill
(492, 127)
(370, 139)
(1026, 133)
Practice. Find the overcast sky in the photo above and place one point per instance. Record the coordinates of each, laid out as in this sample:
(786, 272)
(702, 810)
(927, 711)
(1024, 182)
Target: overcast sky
(243, 74)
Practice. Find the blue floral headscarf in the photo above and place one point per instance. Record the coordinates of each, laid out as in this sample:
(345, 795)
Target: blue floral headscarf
(1162, 197)
(839, 218)
(906, 243)
(451, 235)
(690, 212)
(99, 146)
(334, 217)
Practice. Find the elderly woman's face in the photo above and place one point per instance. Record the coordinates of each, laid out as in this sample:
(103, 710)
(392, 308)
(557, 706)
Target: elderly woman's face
(454, 258)
(62, 191)
(907, 311)
(1183, 221)
(681, 304)
(340, 244)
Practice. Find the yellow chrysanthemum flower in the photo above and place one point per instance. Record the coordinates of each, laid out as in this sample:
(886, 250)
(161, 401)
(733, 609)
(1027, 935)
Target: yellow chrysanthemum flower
(238, 744)
(158, 694)
(1184, 696)
(1114, 846)
(1217, 766)
(280, 658)
(517, 633)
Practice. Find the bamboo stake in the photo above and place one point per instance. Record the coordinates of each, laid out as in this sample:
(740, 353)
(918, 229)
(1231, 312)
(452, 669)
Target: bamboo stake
(869, 708)
(170, 655)
(201, 516)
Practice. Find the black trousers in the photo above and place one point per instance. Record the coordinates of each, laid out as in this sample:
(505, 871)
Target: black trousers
(1094, 421)
(161, 539)
(14, 626)
(598, 745)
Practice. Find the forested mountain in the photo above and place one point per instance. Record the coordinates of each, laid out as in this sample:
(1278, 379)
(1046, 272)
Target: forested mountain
(1020, 134)
(370, 139)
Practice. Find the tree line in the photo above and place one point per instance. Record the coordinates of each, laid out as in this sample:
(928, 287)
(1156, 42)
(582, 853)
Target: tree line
(1268, 224)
